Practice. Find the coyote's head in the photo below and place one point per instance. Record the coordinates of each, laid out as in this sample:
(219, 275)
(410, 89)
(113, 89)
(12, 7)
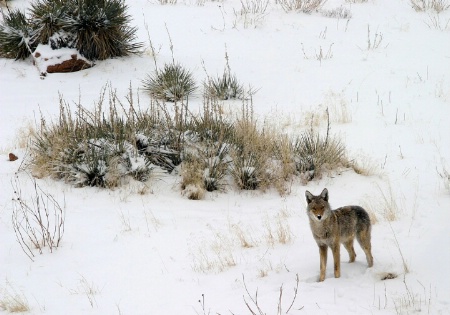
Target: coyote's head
(318, 206)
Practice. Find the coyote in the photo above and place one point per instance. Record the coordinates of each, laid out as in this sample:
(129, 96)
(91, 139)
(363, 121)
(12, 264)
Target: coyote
(330, 228)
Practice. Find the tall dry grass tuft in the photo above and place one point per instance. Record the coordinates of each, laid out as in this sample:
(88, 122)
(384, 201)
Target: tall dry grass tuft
(251, 152)
(13, 302)
(430, 5)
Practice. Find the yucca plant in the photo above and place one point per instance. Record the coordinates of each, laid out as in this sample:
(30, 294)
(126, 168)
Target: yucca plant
(102, 29)
(247, 171)
(16, 36)
(173, 83)
(225, 87)
(216, 165)
(48, 18)
(313, 152)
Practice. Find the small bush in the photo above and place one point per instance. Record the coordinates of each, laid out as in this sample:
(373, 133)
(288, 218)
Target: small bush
(38, 221)
(16, 36)
(172, 84)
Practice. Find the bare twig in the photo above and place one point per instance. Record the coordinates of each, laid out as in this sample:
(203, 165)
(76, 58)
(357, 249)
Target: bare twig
(37, 223)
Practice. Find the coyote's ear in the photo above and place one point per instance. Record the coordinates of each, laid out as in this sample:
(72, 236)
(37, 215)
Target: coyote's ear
(309, 196)
(324, 194)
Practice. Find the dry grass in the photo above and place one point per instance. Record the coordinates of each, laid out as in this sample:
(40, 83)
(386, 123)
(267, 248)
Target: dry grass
(89, 289)
(385, 205)
(365, 166)
(192, 183)
(430, 5)
(338, 106)
(252, 153)
(305, 6)
(278, 230)
(356, 1)
(244, 236)
(214, 255)
(13, 302)
(119, 143)
(252, 13)
(434, 22)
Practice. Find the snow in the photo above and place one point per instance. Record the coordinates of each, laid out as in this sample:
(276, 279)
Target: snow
(147, 249)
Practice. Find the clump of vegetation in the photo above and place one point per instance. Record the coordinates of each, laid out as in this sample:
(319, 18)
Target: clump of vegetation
(430, 5)
(108, 147)
(102, 29)
(97, 29)
(16, 36)
(47, 18)
(225, 87)
(338, 13)
(173, 83)
(305, 6)
(95, 149)
(314, 153)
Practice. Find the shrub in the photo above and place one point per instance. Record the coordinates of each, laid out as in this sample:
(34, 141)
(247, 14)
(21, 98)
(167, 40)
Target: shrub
(16, 36)
(172, 84)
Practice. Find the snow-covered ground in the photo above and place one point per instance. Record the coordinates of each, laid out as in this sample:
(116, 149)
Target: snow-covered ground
(158, 253)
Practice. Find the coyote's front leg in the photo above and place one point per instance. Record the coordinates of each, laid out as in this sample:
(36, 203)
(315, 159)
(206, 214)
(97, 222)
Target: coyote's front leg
(323, 249)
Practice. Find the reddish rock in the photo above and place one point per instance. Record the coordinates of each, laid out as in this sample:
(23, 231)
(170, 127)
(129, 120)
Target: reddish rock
(12, 157)
(71, 65)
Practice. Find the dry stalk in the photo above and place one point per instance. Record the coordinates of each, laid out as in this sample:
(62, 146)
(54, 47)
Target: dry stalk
(37, 223)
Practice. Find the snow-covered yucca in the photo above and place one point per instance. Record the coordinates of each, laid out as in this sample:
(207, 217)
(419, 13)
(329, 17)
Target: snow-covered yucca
(97, 29)
(314, 153)
(47, 19)
(102, 29)
(16, 36)
(225, 87)
(173, 83)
